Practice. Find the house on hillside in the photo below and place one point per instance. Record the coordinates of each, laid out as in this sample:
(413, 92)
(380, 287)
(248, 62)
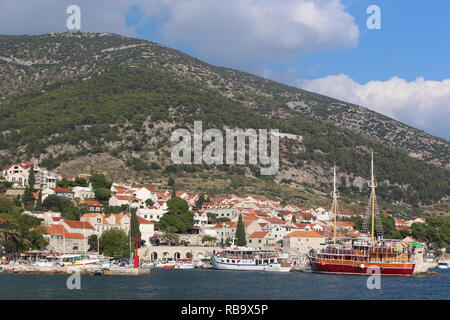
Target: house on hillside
(60, 192)
(19, 173)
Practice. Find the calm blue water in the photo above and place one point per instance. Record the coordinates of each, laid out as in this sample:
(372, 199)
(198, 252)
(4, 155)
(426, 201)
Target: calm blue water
(223, 285)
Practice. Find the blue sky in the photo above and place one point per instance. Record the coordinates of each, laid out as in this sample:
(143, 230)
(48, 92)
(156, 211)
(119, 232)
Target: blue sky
(318, 45)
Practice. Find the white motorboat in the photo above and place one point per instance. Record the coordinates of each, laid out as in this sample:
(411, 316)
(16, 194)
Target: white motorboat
(184, 264)
(249, 259)
(81, 260)
(442, 265)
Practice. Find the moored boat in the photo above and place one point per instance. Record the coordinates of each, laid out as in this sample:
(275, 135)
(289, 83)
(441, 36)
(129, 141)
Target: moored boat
(249, 259)
(442, 265)
(186, 263)
(364, 256)
(81, 260)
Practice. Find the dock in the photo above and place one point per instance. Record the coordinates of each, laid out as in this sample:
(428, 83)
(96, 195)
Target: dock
(55, 270)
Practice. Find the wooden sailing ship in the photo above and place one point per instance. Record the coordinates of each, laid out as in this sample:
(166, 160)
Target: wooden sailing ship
(364, 255)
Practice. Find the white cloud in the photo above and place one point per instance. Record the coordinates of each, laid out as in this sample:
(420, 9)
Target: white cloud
(235, 32)
(243, 32)
(421, 103)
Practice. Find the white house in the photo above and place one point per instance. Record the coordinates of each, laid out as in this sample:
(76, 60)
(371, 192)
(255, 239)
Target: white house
(19, 174)
(60, 192)
(151, 213)
(146, 193)
(200, 219)
(83, 193)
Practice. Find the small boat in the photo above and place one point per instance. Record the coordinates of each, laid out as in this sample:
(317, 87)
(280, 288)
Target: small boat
(96, 273)
(2, 270)
(442, 265)
(185, 264)
(165, 265)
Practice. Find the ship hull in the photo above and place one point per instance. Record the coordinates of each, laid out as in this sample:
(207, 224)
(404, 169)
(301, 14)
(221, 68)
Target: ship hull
(386, 269)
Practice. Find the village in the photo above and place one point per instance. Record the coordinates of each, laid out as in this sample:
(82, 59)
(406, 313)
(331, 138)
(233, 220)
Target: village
(268, 224)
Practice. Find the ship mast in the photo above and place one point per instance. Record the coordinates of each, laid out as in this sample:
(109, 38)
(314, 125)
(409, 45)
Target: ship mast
(334, 206)
(372, 185)
(372, 213)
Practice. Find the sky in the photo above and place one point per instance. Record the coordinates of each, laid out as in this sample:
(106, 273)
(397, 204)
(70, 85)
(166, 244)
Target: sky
(325, 46)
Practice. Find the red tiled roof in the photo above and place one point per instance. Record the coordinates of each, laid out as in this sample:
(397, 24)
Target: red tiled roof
(62, 190)
(143, 221)
(274, 220)
(259, 234)
(305, 234)
(285, 213)
(74, 235)
(78, 224)
(3, 220)
(124, 197)
(89, 215)
(24, 165)
(92, 203)
(345, 223)
(56, 229)
(229, 224)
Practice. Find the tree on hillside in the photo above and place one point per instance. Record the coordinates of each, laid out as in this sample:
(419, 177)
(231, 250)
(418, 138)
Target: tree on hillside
(240, 233)
(93, 242)
(169, 236)
(39, 201)
(209, 239)
(134, 229)
(176, 223)
(177, 205)
(171, 182)
(102, 194)
(65, 183)
(294, 219)
(28, 199)
(114, 243)
(98, 180)
(31, 179)
(63, 205)
(199, 203)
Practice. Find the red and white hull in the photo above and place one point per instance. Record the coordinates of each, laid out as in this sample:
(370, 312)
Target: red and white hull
(349, 267)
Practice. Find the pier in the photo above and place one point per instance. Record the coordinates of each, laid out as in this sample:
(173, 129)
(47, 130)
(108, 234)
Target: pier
(55, 270)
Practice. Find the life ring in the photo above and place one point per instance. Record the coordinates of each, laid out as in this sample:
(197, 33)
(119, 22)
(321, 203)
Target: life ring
(362, 266)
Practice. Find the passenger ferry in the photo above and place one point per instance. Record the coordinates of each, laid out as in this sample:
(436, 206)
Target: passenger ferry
(249, 259)
(79, 260)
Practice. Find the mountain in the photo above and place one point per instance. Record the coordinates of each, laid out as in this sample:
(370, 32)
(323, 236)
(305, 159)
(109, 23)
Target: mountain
(83, 100)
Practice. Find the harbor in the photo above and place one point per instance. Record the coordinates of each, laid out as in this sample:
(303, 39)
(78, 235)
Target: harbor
(200, 284)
